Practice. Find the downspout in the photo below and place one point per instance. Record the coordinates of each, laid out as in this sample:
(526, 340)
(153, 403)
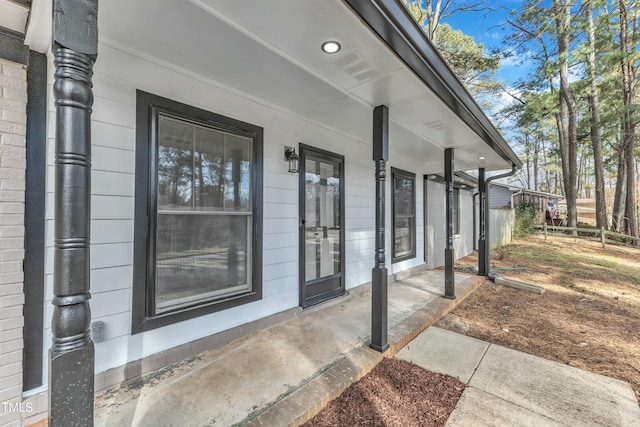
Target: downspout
(475, 219)
(487, 242)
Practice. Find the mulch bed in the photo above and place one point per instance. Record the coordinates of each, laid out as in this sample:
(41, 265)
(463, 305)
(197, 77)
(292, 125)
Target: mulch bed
(394, 393)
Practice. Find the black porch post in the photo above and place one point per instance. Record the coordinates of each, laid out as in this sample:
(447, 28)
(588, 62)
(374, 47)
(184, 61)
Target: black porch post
(482, 196)
(71, 357)
(379, 272)
(449, 281)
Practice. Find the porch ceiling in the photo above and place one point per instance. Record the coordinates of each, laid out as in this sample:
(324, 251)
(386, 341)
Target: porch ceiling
(270, 50)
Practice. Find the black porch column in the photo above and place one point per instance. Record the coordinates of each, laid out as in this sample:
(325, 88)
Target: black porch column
(482, 199)
(71, 357)
(449, 281)
(379, 272)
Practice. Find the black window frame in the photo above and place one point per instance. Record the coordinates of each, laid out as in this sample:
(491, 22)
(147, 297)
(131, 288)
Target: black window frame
(456, 210)
(148, 107)
(395, 172)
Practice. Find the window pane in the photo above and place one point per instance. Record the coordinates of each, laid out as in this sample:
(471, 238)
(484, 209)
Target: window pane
(403, 236)
(237, 155)
(199, 257)
(403, 196)
(209, 169)
(175, 164)
(312, 194)
(322, 218)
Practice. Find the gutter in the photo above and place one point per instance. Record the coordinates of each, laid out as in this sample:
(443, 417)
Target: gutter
(485, 245)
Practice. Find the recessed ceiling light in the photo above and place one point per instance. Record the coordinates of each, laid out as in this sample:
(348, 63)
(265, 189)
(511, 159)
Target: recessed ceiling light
(331, 47)
(481, 158)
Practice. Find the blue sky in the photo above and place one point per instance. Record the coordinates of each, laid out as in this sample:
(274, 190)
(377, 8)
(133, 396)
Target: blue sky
(490, 28)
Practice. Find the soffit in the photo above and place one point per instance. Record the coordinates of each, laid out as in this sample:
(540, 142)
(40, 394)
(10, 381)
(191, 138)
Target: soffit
(271, 50)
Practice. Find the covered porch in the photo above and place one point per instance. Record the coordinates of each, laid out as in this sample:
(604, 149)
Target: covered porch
(256, 78)
(284, 374)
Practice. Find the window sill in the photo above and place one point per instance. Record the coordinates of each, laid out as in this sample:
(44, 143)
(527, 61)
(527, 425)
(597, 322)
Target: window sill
(403, 258)
(165, 319)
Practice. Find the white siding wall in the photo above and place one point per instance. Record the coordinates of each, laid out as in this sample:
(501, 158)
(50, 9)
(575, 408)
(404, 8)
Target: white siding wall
(463, 242)
(436, 233)
(436, 230)
(499, 196)
(117, 76)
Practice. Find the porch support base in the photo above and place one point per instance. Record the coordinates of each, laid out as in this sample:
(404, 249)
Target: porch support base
(71, 387)
(449, 283)
(379, 295)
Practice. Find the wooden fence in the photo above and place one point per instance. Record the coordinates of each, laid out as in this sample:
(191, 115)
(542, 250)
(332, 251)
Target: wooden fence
(601, 232)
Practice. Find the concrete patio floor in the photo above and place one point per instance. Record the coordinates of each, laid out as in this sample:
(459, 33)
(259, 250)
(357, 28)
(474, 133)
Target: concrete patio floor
(510, 388)
(284, 374)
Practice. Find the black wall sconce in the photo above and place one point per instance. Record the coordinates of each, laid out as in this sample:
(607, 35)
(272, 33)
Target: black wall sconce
(292, 157)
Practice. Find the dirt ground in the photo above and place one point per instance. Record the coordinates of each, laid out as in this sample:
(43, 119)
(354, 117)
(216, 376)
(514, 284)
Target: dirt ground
(395, 393)
(589, 316)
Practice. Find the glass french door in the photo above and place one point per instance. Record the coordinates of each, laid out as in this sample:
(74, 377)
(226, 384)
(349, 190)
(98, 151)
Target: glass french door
(321, 225)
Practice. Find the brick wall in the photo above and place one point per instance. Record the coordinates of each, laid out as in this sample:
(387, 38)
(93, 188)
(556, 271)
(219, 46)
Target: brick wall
(13, 119)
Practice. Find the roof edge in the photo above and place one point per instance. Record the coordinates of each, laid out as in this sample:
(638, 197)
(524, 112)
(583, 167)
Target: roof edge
(392, 22)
